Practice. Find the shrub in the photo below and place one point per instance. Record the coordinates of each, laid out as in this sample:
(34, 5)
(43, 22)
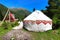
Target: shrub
(7, 24)
(14, 23)
(56, 21)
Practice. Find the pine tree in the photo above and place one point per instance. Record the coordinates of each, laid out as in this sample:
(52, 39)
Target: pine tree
(3, 11)
(53, 11)
(52, 8)
(33, 9)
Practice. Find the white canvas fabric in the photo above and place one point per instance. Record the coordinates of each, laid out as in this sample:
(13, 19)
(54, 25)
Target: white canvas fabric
(37, 15)
(20, 26)
(38, 28)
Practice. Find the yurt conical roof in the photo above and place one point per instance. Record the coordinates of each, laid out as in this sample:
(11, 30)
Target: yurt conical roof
(37, 15)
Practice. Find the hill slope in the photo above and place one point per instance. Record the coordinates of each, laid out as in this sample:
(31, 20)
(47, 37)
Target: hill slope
(3, 10)
(20, 13)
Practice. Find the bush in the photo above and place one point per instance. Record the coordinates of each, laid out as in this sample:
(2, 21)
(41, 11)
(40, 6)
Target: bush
(7, 24)
(13, 24)
(56, 21)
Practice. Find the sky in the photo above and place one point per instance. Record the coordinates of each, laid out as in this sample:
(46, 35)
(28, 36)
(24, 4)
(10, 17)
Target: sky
(26, 4)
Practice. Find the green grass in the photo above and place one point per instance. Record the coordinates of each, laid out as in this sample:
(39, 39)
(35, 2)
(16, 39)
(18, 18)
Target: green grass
(6, 27)
(4, 31)
(49, 35)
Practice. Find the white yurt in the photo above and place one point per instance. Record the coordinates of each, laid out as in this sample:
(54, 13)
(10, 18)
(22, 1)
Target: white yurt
(37, 21)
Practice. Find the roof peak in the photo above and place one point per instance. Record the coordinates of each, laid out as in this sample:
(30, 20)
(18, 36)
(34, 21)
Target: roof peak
(37, 15)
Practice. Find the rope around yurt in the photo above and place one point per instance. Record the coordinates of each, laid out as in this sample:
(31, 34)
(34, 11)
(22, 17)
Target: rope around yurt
(4, 17)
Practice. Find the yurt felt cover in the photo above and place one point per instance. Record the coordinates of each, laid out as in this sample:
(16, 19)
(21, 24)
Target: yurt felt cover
(37, 19)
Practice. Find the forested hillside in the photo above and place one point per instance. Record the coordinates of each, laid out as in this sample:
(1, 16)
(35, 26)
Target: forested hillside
(19, 13)
(3, 10)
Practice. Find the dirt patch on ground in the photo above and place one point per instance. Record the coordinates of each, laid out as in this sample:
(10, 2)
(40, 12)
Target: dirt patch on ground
(17, 35)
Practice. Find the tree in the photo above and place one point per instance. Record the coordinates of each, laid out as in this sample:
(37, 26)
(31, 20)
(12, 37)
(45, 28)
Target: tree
(33, 9)
(1, 17)
(53, 11)
(3, 11)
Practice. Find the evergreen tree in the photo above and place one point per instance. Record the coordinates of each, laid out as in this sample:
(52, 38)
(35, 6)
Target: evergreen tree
(3, 11)
(53, 11)
(33, 9)
(1, 17)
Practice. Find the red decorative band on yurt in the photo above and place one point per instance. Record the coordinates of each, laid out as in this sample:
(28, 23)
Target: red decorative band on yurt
(43, 21)
(38, 22)
(29, 21)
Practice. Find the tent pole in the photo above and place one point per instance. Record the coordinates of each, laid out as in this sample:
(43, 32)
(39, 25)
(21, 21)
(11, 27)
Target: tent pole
(4, 17)
(9, 16)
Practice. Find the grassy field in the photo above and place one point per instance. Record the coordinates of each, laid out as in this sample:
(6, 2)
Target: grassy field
(4, 31)
(49, 35)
